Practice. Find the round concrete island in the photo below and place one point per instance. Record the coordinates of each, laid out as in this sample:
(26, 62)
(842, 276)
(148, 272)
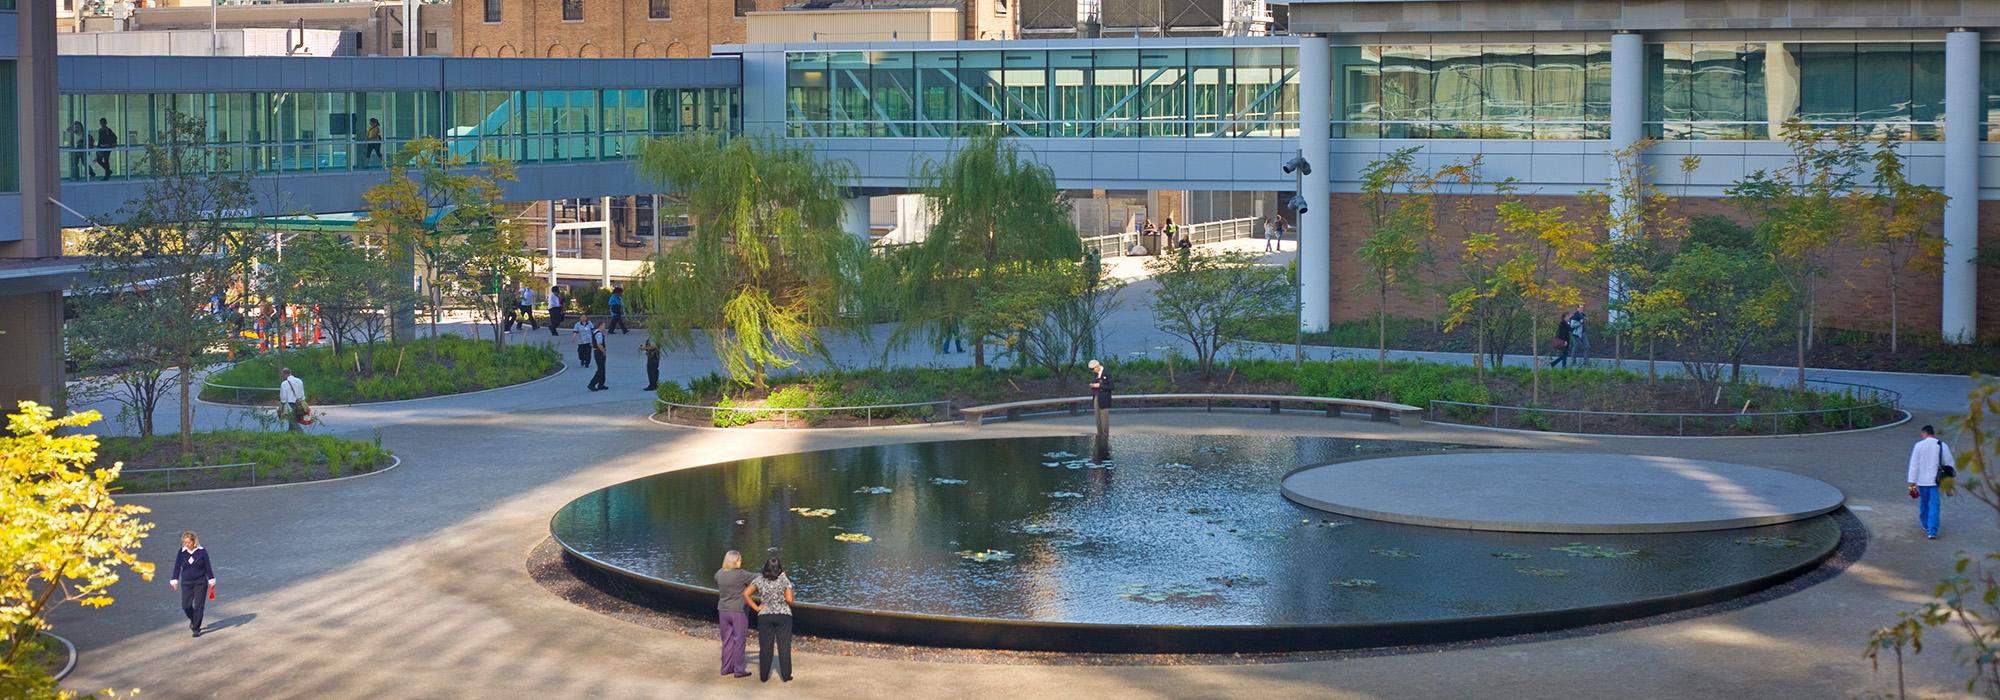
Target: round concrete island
(1561, 492)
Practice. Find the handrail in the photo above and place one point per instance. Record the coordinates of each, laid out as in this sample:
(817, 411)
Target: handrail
(1893, 401)
(867, 411)
(1381, 410)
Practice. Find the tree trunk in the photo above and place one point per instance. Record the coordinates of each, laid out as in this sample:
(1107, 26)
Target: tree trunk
(979, 352)
(1382, 329)
(1535, 367)
(187, 409)
(1892, 314)
(1652, 373)
(1479, 352)
(1805, 327)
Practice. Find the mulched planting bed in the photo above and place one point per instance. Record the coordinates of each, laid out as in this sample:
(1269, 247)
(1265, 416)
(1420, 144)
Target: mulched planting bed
(267, 458)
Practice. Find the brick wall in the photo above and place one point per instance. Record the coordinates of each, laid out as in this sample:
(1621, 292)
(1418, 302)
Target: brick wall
(1852, 295)
(610, 28)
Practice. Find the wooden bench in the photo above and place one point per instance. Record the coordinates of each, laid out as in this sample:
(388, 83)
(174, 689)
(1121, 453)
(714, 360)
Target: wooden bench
(1335, 407)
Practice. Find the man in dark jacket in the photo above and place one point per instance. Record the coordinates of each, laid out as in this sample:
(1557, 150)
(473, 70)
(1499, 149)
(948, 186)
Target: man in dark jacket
(193, 576)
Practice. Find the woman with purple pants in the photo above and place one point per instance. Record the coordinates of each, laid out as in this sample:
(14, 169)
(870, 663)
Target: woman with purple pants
(730, 580)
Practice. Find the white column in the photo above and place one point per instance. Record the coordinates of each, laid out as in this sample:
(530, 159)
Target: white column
(854, 217)
(1628, 127)
(604, 243)
(552, 243)
(1315, 143)
(1962, 102)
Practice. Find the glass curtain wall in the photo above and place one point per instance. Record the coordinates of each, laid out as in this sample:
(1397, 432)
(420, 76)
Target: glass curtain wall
(339, 131)
(1467, 91)
(1245, 92)
(10, 156)
(1748, 91)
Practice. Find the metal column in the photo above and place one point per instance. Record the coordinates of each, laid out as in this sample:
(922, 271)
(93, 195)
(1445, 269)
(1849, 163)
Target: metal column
(1628, 124)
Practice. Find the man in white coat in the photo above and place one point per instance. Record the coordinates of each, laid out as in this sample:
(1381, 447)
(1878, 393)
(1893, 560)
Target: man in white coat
(1926, 460)
(291, 392)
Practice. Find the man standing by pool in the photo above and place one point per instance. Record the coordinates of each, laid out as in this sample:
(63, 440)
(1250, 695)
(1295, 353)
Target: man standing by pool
(1100, 393)
(597, 340)
(291, 397)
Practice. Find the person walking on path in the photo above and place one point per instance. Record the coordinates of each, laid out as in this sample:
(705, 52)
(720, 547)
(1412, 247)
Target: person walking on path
(730, 582)
(951, 337)
(597, 340)
(106, 140)
(581, 332)
(291, 398)
(79, 152)
(373, 152)
(1561, 343)
(652, 367)
(617, 304)
(1579, 343)
(524, 307)
(556, 309)
(1928, 457)
(194, 577)
(1273, 230)
(771, 596)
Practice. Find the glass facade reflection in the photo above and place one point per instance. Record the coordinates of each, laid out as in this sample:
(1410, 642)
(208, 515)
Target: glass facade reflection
(10, 156)
(1096, 92)
(337, 131)
(1747, 90)
(1495, 91)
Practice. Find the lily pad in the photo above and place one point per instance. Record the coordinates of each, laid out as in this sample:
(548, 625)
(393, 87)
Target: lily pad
(1329, 524)
(1179, 592)
(1234, 580)
(1394, 553)
(987, 555)
(1591, 551)
(1513, 555)
(855, 537)
(1059, 454)
(1211, 450)
(1063, 494)
(1538, 571)
(1771, 542)
(1367, 584)
(877, 490)
(815, 512)
(1175, 465)
(941, 481)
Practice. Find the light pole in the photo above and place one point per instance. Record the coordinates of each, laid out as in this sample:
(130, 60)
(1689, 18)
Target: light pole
(1298, 167)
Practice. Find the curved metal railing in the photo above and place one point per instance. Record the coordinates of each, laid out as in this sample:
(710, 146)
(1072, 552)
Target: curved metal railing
(937, 410)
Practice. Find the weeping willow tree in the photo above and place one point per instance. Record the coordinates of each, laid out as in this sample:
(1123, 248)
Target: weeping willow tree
(767, 268)
(993, 214)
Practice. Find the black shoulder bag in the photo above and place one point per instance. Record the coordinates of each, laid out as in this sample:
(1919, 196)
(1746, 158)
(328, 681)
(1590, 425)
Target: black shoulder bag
(1944, 471)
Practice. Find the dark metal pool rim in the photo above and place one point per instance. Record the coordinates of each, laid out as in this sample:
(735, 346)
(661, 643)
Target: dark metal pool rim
(920, 629)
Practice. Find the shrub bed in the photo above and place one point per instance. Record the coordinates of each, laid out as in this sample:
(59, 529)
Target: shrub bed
(1414, 383)
(267, 458)
(400, 371)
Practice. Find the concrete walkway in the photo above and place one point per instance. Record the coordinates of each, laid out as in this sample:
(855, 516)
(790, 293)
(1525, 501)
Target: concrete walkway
(412, 583)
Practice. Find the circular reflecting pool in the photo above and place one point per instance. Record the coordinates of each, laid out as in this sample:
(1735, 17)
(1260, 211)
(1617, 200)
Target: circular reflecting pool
(1176, 544)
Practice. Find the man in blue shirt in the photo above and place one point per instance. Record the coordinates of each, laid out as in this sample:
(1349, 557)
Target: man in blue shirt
(617, 304)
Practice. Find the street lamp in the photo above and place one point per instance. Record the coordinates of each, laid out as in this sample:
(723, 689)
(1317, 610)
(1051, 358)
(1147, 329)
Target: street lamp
(1298, 167)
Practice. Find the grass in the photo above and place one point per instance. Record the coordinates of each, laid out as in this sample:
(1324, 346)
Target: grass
(1413, 383)
(401, 371)
(268, 458)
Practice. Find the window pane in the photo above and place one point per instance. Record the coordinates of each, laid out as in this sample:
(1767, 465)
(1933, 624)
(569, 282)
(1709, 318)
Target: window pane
(1406, 91)
(1826, 82)
(1508, 91)
(1927, 88)
(1560, 86)
(1357, 90)
(1717, 90)
(1114, 80)
(937, 91)
(806, 93)
(1164, 104)
(1882, 86)
(1026, 78)
(1458, 97)
(849, 109)
(1209, 90)
(892, 80)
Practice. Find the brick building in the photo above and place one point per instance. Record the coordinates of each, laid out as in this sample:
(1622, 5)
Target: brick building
(665, 28)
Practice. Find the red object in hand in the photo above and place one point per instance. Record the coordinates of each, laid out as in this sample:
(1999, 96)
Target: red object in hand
(1913, 492)
(211, 592)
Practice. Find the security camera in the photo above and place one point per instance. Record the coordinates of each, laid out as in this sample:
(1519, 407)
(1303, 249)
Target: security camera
(1299, 165)
(1297, 203)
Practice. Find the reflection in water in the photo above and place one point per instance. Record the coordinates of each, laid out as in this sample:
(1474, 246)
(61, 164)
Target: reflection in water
(1177, 530)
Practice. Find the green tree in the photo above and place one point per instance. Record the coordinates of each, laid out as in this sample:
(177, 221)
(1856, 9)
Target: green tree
(1047, 313)
(768, 267)
(1475, 293)
(1548, 251)
(1397, 196)
(1802, 213)
(1711, 303)
(1967, 601)
(1893, 218)
(111, 341)
(991, 209)
(170, 257)
(1640, 237)
(1209, 298)
(63, 538)
(351, 287)
(442, 215)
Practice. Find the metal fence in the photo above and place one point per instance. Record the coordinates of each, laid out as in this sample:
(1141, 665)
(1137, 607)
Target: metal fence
(1113, 245)
(1789, 422)
(251, 467)
(929, 411)
(251, 395)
